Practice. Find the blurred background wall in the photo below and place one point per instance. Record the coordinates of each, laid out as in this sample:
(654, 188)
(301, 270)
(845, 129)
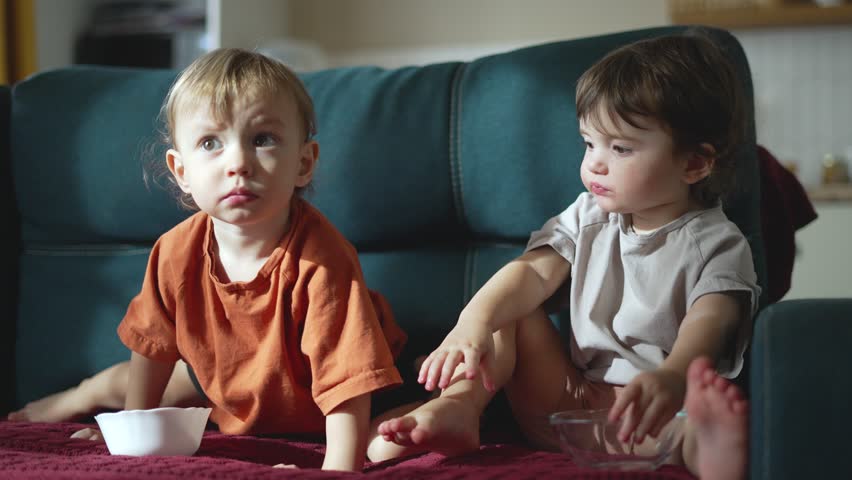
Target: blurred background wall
(405, 31)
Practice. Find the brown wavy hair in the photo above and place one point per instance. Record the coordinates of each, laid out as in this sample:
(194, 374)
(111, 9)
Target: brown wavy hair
(684, 82)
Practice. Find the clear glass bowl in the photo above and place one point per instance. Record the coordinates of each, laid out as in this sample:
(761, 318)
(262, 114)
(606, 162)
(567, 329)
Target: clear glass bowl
(591, 441)
(159, 431)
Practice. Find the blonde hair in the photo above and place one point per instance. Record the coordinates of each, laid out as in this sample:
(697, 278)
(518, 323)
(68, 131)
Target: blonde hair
(220, 77)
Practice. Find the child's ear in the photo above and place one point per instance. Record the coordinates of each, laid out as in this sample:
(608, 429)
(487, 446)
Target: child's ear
(699, 164)
(175, 163)
(307, 161)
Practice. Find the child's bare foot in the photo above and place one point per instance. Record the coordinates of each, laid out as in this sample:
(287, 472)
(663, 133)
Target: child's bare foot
(444, 425)
(59, 407)
(718, 415)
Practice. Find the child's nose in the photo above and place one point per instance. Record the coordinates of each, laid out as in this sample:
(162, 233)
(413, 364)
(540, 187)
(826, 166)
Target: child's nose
(597, 164)
(239, 163)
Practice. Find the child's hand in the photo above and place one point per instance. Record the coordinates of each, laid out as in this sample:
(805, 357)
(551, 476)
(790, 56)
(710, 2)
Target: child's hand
(470, 342)
(655, 397)
(92, 434)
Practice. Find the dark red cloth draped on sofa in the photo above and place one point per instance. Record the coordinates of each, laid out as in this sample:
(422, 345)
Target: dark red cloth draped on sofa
(785, 208)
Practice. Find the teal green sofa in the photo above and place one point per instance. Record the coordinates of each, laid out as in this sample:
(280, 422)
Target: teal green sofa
(437, 174)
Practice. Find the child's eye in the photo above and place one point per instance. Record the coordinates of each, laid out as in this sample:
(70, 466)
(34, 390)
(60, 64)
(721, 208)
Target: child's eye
(210, 144)
(264, 140)
(621, 150)
(589, 145)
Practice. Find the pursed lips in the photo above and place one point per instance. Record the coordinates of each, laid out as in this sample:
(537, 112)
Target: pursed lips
(240, 193)
(598, 189)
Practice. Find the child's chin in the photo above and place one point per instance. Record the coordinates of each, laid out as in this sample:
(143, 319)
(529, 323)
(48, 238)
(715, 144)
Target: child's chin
(608, 205)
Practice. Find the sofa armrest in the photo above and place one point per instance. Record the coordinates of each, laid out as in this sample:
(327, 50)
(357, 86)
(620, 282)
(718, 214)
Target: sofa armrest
(801, 390)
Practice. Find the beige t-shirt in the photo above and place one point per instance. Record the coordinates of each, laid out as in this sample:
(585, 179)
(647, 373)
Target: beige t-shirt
(629, 292)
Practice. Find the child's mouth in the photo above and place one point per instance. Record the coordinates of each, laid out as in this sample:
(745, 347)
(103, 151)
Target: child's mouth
(239, 196)
(598, 189)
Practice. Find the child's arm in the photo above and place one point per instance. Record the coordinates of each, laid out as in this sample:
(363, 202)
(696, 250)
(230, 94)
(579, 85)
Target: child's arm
(346, 430)
(512, 293)
(657, 395)
(146, 382)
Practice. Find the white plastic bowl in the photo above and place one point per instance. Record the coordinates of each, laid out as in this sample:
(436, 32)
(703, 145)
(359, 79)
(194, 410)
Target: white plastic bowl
(590, 440)
(159, 431)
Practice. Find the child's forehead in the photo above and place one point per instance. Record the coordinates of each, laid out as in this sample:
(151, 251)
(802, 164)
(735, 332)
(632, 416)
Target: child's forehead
(610, 122)
(224, 107)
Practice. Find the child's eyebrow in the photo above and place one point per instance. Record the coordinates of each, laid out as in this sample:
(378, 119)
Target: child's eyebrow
(616, 135)
(208, 125)
(268, 120)
(628, 138)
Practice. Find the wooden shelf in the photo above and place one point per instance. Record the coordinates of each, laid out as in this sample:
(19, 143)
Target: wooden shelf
(769, 16)
(841, 192)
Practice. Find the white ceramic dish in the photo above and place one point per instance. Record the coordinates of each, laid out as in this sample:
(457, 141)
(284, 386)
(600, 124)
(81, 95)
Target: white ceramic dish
(590, 440)
(159, 431)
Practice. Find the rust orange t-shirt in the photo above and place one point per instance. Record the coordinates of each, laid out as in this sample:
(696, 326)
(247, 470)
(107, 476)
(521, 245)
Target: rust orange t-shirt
(278, 353)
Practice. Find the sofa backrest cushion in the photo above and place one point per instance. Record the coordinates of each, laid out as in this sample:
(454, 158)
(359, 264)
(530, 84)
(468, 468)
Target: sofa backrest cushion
(437, 174)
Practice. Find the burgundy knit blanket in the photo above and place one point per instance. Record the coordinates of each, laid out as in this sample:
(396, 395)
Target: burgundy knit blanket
(45, 451)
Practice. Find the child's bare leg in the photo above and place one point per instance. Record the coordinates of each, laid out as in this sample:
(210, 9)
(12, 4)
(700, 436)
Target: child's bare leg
(544, 382)
(180, 391)
(715, 445)
(449, 423)
(104, 391)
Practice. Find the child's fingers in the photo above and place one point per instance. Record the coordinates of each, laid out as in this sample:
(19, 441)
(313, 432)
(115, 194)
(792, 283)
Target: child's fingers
(635, 413)
(650, 419)
(471, 362)
(451, 361)
(623, 400)
(92, 434)
(435, 369)
(424, 368)
(628, 423)
(485, 368)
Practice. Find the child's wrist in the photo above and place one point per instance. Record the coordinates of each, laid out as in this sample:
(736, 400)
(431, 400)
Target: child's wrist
(675, 369)
(474, 318)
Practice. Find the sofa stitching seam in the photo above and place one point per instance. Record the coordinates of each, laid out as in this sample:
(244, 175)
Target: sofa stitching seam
(455, 144)
(456, 181)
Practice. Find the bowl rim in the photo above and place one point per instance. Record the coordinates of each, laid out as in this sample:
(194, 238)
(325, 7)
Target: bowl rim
(590, 416)
(148, 410)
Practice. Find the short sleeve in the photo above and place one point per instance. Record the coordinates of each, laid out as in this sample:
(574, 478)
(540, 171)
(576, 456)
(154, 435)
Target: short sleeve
(342, 338)
(729, 267)
(147, 328)
(562, 231)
